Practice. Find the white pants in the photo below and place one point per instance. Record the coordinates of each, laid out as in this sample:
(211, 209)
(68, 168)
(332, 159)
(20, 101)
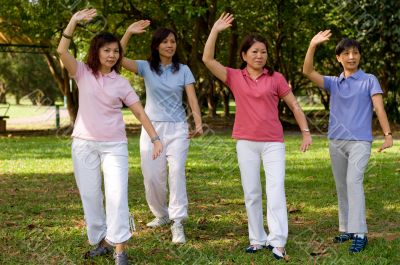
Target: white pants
(250, 154)
(89, 157)
(349, 161)
(174, 136)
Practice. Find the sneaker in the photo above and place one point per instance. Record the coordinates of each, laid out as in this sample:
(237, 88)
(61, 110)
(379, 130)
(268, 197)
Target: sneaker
(121, 258)
(358, 244)
(178, 235)
(159, 221)
(256, 247)
(343, 237)
(278, 254)
(99, 250)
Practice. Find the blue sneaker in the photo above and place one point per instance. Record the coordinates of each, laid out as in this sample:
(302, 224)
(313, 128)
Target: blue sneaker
(343, 237)
(358, 244)
(256, 247)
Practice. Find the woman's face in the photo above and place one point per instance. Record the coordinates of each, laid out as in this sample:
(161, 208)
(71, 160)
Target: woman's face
(167, 47)
(350, 59)
(256, 56)
(109, 55)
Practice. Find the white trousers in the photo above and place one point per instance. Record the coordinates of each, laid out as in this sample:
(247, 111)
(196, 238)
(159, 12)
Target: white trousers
(349, 161)
(272, 154)
(174, 136)
(89, 158)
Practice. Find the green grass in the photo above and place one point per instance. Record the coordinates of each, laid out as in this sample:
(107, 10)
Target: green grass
(41, 219)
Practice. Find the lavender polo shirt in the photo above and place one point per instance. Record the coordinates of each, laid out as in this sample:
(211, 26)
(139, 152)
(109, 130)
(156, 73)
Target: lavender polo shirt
(351, 105)
(100, 101)
(164, 92)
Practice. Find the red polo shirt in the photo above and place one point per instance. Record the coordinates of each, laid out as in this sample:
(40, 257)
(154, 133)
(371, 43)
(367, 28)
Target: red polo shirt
(257, 116)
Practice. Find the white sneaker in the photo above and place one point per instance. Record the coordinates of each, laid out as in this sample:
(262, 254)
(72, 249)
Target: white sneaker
(178, 235)
(159, 221)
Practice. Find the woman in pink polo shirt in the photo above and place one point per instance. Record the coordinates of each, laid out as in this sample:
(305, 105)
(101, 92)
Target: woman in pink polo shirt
(99, 138)
(259, 133)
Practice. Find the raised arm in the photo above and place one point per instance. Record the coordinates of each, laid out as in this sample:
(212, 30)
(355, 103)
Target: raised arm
(308, 66)
(224, 22)
(137, 27)
(68, 60)
(194, 106)
(301, 120)
(377, 101)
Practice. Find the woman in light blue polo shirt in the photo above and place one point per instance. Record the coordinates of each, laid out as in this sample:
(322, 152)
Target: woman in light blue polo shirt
(165, 79)
(353, 96)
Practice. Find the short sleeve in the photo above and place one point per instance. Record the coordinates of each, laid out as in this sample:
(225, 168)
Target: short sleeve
(80, 69)
(141, 66)
(375, 87)
(129, 95)
(283, 86)
(328, 83)
(188, 76)
(229, 74)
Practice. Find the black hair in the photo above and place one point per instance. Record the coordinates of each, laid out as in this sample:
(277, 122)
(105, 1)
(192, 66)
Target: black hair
(347, 43)
(154, 59)
(96, 43)
(247, 42)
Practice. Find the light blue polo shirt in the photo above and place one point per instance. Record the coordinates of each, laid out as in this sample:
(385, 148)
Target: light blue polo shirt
(351, 105)
(164, 92)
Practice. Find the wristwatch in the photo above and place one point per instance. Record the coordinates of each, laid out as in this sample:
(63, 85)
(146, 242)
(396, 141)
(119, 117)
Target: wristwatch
(155, 138)
(387, 133)
(306, 130)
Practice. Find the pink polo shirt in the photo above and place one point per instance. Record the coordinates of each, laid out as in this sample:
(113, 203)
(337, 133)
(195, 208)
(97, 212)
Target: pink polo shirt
(100, 101)
(257, 116)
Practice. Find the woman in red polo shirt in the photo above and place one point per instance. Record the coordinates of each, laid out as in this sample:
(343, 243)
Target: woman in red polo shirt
(259, 133)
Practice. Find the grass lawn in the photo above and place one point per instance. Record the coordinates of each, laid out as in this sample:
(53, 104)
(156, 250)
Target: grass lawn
(41, 218)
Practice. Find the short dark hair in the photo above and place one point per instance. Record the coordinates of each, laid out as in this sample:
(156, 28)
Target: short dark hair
(247, 42)
(154, 58)
(345, 44)
(97, 42)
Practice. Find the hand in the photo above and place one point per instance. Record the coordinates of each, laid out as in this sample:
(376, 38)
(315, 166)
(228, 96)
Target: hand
(307, 141)
(85, 14)
(157, 149)
(321, 37)
(387, 144)
(138, 27)
(198, 131)
(224, 22)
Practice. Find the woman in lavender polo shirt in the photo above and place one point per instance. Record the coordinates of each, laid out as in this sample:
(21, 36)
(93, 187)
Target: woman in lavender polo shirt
(99, 138)
(165, 80)
(353, 95)
(259, 133)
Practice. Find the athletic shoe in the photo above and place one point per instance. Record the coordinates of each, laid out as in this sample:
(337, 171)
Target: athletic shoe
(159, 221)
(99, 250)
(121, 258)
(358, 244)
(256, 247)
(278, 254)
(178, 235)
(343, 237)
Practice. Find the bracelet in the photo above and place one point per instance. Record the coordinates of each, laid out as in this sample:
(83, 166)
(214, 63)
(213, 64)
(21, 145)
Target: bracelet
(387, 133)
(306, 130)
(66, 36)
(155, 138)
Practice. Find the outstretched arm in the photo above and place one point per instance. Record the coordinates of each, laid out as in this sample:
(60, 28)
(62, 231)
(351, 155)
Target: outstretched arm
(224, 22)
(377, 101)
(308, 66)
(301, 120)
(68, 60)
(138, 111)
(137, 27)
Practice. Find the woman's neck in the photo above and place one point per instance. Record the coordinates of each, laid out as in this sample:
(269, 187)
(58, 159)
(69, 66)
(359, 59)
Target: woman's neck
(105, 70)
(348, 73)
(254, 73)
(165, 60)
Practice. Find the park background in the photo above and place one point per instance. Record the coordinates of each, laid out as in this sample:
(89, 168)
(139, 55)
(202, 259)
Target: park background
(41, 220)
